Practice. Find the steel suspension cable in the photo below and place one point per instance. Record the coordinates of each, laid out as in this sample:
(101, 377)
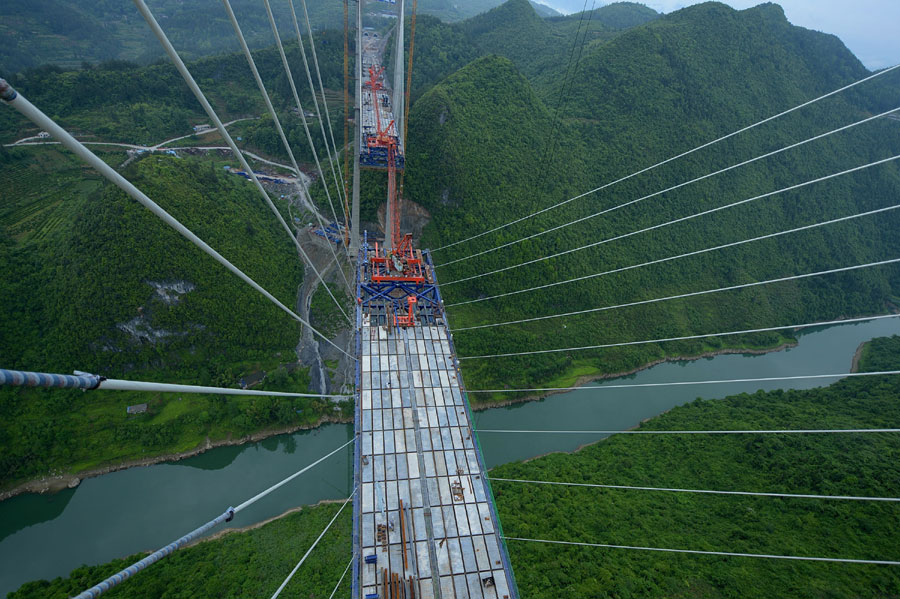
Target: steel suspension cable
(120, 577)
(676, 157)
(280, 484)
(672, 188)
(338, 585)
(265, 94)
(90, 382)
(684, 338)
(313, 546)
(290, 78)
(236, 152)
(336, 172)
(32, 113)
(226, 516)
(312, 91)
(562, 99)
(718, 553)
(685, 295)
(678, 220)
(679, 256)
(687, 383)
(702, 491)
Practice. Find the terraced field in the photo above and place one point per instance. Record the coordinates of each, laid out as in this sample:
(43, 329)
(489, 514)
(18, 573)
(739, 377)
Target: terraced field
(49, 186)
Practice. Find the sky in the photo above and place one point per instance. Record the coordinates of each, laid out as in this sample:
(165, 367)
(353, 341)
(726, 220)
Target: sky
(869, 28)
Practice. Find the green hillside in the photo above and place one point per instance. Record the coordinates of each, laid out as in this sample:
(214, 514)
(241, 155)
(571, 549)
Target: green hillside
(96, 282)
(94, 279)
(68, 33)
(121, 102)
(650, 93)
(541, 48)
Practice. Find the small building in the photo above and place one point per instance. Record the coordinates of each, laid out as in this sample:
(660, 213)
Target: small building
(137, 409)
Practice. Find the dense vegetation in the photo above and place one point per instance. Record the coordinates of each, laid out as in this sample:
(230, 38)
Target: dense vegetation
(120, 102)
(835, 464)
(95, 282)
(540, 48)
(485, 148)
(238, 564)
(845, 464)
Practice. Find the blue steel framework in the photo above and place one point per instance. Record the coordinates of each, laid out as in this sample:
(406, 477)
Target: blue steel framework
(376, 300)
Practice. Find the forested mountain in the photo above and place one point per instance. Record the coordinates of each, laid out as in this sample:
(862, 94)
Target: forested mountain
(540, 48)
(69, 32)
(652, 92)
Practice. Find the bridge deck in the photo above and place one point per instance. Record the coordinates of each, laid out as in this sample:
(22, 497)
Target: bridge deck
(417, 447)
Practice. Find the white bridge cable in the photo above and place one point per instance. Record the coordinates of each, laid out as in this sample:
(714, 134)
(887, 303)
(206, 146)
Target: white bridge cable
(40, 119)
(235, 151)
(278, 485)
(686, 295)
(676, 157)
(684, 338)
(718, 553)
(680, 220)
(284, 141)
(311, 547)
(226, 516)
(290, 78)
(309, 138)
(679, 256)
(672, 188)
(777, 431)
(702, 491)
(338, 585)
(312, 91)
(312, 47)
(687, 383)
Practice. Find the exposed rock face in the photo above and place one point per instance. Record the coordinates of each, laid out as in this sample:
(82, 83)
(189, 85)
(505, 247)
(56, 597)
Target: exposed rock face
(170, 292)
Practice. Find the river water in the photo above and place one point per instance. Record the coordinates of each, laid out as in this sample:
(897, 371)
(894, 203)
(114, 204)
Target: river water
(145, 508)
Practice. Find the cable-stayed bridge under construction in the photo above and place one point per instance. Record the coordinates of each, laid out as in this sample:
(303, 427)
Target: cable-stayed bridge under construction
(425, 524)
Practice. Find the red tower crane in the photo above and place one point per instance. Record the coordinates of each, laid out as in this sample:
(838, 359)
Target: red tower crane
(386, 138)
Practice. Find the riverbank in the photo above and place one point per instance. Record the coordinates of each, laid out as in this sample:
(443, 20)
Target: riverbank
(857, 355)
(584, 380)
(60, 482)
